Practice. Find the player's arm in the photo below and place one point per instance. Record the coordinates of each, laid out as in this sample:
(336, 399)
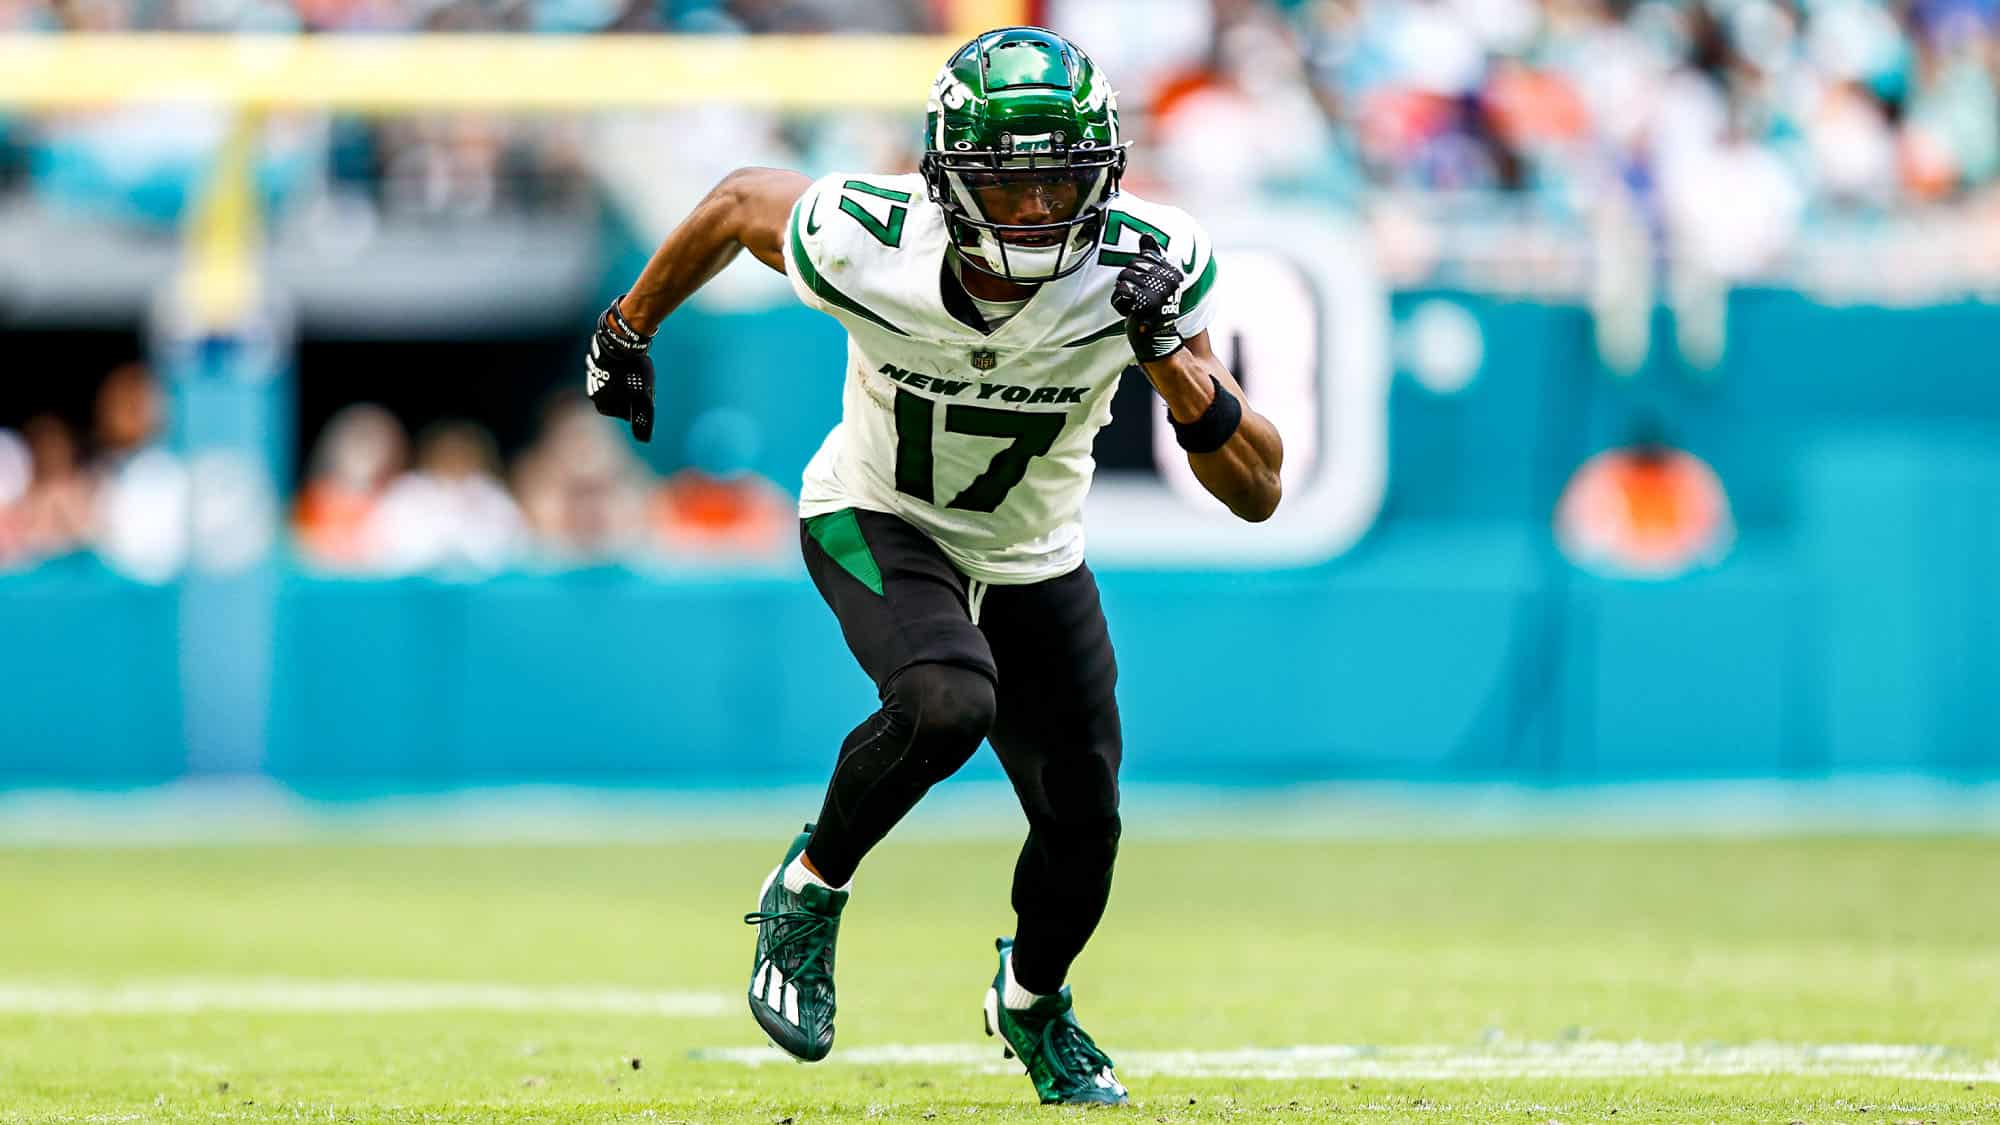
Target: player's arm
(1234, 451)
(1243, 471)
(748, 210)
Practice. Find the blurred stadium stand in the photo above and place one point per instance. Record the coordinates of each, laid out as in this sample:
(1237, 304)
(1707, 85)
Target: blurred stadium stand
(360, 530)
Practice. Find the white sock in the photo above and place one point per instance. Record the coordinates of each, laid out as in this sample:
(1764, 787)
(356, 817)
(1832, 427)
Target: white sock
(1015, 996)
(798, 875)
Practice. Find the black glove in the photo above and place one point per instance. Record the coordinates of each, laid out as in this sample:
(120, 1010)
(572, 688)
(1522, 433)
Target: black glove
(618, 375)
(1148, 296)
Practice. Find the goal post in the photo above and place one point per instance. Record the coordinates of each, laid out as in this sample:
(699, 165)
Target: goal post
(382, 74)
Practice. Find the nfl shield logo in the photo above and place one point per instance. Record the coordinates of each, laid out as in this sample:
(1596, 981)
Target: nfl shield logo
(984, 360)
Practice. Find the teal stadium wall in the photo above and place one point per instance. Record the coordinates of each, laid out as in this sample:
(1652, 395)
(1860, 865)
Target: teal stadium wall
(1855, 627)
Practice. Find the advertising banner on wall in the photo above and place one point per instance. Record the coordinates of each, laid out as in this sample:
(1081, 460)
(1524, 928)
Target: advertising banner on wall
(1304, 325)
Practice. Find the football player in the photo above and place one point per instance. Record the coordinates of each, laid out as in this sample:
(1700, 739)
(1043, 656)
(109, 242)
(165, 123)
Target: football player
(992, 302)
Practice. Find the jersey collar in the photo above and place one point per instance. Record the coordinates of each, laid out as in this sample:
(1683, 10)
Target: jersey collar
(964, 309)
(957, 301)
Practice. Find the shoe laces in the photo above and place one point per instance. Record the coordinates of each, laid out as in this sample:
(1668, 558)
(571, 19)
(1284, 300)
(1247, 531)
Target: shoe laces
(1072, 1051)
(805, 935)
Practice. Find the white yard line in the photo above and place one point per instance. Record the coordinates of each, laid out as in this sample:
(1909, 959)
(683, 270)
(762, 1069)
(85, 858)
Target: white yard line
(1585, 1059)
(1502, 1060)
(290, 995)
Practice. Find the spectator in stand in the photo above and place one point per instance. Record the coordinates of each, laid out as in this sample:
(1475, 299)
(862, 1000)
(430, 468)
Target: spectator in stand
(25, 15)
(17, 472)
(45, 496)
(142, 491)
(360, 452)
(1245, 119)
(451, 515)
(17, 478)
(56, 509)
(1952, 132)
(761, 17)
(1764, 204)
(582, 491)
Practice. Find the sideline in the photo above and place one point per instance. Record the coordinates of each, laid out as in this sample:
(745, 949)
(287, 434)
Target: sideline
(257, 810)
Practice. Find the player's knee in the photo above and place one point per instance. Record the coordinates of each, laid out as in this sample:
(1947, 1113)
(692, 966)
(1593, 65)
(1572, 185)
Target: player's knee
(947, 710)
(1087, 843)
(1099, 837)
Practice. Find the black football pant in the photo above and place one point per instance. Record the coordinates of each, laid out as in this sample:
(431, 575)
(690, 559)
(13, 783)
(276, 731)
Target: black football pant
(1034, 674)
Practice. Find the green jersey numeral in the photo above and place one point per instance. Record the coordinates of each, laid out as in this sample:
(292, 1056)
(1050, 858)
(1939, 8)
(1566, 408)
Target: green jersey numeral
(1031, 434)
(891, 234)
(1116, 223)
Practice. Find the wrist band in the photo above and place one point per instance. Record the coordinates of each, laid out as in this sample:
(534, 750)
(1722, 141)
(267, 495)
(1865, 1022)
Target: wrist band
(1212, 430)
(628, 335)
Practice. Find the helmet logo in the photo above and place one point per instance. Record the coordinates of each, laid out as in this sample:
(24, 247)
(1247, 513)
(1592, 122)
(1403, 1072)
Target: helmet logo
(952, 93)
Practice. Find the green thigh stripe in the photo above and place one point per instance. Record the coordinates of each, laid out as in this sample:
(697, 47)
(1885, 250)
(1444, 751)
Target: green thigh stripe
(839, 535)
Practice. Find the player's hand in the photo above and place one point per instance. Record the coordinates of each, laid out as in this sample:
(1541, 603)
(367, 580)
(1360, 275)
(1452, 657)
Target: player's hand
(1148, 296)
(618, 374)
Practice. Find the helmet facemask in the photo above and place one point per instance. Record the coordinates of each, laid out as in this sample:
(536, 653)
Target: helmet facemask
(983, 191)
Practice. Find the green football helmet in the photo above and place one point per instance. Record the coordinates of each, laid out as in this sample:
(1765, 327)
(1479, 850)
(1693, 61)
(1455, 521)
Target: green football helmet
(1020, 123)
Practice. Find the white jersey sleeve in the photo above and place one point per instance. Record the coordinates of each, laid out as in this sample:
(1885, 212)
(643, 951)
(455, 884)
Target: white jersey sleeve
(1128, 219)
(1198, 290)
(846, 252)
(802, 256)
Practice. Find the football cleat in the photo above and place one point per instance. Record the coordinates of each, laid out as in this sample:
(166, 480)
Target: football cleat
(1062, 1061)
(791, 977)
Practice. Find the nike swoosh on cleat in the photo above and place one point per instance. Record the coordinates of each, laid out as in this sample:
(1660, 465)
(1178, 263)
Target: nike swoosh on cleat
(812, 220)
(1188, 266)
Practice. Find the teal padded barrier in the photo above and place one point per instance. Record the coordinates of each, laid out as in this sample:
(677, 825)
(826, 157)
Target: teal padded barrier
(1699, 677)
(1496, 449)
(365, 680)
(89, 677)
(1857, 627)
(1390, 665)
(1901, 535)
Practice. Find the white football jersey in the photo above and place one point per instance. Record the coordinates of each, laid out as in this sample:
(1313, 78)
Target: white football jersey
(981, 440)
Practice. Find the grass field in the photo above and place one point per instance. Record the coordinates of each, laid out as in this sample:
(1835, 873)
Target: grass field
(1524, 980)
